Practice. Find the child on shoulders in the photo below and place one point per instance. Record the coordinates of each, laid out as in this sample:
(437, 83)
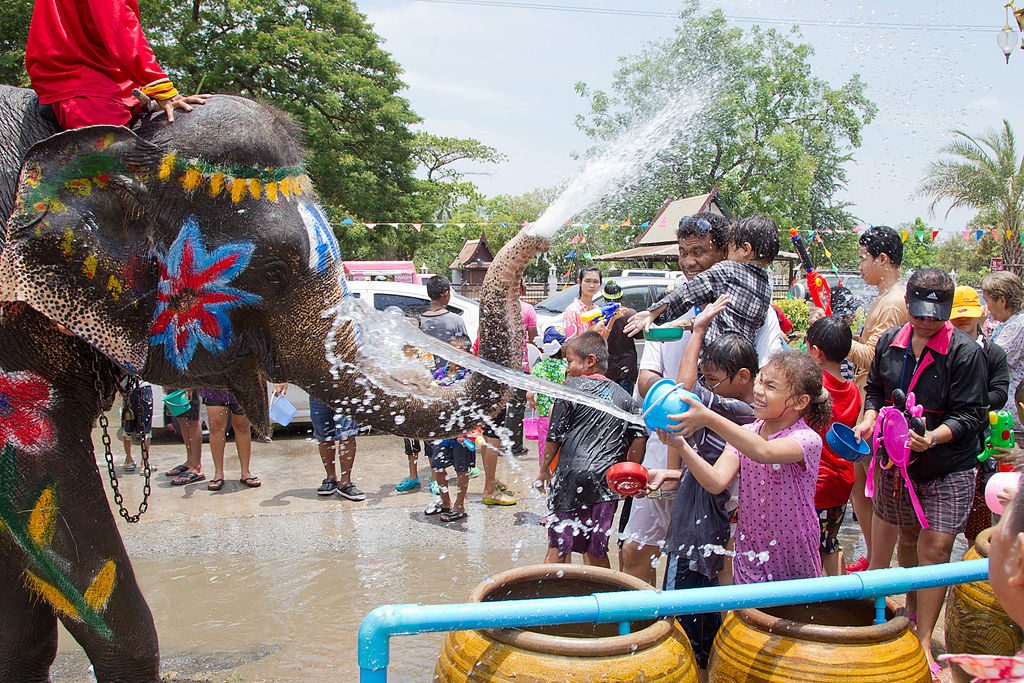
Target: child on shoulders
(828, 343)
(587, 442)
(744, 277)
(777, 458)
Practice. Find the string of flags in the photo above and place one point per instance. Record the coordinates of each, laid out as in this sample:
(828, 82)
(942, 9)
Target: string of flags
(348, 220)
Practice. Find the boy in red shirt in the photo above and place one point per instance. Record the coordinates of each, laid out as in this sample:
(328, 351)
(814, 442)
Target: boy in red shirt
(85, 57)
(828, 343)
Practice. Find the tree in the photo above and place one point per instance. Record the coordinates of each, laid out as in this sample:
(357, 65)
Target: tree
(14, 22)
(445, 185)
(773, 138)
(987, 175)
(321, 62)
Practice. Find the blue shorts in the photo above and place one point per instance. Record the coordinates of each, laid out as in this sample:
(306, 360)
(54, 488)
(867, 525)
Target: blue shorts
(329, 425)
(450, 453)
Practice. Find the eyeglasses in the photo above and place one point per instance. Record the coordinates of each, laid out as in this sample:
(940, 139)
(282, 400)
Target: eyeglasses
(704, 383)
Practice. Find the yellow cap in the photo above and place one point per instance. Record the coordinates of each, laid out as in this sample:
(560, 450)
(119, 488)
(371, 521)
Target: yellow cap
(966, 303)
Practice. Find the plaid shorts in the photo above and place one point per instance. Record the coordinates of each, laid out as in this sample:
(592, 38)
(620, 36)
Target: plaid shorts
(946, 501)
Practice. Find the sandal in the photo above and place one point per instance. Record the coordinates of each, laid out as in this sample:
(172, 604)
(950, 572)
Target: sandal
(215, 485)
(436, 509)
(936, 670)
(188, 478)
(452, 516)
(252, 482)
(129, 467)
(176, 471)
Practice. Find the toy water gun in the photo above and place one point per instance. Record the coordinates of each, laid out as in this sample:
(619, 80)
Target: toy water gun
(821, 293)
(1001, 436)
(605, 313)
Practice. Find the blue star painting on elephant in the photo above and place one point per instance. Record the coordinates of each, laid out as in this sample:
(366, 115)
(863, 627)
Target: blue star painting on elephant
(193, 297)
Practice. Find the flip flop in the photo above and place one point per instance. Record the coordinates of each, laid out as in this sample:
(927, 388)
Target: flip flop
(452, 516)
(189, 478)
(436, 509)
(252, 482)
(176, 471)
(131, 467)
(936, 670)
(215, 485)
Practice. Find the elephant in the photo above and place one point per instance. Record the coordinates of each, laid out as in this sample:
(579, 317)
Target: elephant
(191, 253)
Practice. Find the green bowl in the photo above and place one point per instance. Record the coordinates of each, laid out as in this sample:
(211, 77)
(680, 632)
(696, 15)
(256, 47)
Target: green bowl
(664, 334)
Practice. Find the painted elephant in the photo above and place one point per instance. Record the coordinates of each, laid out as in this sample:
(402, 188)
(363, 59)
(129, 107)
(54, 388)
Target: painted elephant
(191, 254)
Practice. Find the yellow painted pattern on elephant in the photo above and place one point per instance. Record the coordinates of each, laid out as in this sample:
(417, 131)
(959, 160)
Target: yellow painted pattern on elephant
(97, 595)
(43, 519)
(51, 595)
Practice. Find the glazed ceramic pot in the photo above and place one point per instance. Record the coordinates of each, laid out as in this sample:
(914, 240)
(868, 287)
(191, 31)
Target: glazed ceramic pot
(655, 650)
(817, 643)
(975, 623)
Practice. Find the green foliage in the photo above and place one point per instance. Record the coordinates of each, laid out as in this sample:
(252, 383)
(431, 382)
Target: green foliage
(446, 186)
(797, 310)
(14, 22)
(985, 174)
(774, 139)
(321, 62)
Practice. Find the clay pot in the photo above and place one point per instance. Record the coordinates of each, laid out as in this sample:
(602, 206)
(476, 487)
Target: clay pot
(975, 623)
(655, 650)
(824, 642)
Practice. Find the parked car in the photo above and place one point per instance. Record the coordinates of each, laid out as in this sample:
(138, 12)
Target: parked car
(669, 274)
(852, 281)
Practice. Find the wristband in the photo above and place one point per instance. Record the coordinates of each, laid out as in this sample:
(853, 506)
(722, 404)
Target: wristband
(160, 90)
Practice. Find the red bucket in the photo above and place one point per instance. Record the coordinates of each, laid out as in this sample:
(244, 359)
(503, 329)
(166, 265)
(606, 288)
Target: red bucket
(627, 478)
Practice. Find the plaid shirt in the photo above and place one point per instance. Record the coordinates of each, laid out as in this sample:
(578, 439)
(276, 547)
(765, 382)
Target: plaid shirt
(750, 295)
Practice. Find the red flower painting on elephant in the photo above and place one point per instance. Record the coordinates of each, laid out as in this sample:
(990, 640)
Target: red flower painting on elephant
(193, 298)
(25, 398)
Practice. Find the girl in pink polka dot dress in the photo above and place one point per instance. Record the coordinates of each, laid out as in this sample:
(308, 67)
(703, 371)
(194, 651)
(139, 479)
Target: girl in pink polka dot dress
(776, 458)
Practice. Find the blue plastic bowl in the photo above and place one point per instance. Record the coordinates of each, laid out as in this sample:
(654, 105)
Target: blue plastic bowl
(666, 397)
(843, 443)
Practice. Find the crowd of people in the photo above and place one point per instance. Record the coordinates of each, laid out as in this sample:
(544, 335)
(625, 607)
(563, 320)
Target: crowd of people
(745, 488)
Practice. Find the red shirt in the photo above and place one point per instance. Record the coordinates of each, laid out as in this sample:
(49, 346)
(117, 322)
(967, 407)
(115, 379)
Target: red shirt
(88, 47)
(835, 475)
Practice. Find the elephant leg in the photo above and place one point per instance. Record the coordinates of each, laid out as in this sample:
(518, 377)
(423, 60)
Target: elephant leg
(29, 643)
(80, 567)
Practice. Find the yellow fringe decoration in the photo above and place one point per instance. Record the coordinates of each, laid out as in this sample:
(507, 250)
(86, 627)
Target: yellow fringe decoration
(216, 184)
(49, 593)
(98, 594)
(115, 288)
(166, 166)
(192, 179)
(89, 266)
(286, 188)
(255, 189)
(43, 519)
(237, 190)
(305, 184)
(272, 192)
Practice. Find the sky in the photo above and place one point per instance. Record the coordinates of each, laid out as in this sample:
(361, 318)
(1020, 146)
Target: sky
(505, 75)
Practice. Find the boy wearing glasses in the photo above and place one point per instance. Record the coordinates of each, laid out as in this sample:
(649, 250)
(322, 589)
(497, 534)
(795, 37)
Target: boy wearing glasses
(700, 519)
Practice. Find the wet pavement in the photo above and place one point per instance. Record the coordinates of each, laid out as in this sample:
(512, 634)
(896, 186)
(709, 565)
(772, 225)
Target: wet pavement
(270, 584)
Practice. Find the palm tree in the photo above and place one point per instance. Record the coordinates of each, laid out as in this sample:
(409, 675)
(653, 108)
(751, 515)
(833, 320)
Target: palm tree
(986, 175)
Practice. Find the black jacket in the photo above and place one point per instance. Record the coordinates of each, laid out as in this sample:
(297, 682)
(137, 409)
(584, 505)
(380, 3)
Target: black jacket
(998, 376)
(951, 384)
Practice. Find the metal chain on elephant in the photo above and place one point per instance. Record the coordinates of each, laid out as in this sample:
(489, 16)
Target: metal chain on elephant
(131, 383)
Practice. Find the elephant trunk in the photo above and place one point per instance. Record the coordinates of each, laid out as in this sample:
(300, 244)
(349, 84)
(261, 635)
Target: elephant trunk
(441, 412)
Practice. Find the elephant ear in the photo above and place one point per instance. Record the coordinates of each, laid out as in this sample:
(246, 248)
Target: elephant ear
(78, 245)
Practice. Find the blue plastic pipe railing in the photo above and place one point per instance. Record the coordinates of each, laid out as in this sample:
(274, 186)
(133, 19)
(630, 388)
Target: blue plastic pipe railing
(622, 607)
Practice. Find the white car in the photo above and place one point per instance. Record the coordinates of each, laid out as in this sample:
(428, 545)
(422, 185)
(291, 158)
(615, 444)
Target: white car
(637, 293)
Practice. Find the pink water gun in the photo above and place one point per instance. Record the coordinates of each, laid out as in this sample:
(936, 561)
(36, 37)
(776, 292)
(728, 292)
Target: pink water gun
(893, 429)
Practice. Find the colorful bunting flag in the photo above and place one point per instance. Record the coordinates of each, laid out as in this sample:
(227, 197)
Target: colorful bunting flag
(417, 226)
(904, 235)
(347, 221)
(920, 235)
(370, 226)
(935, 235)
(1009, 234)
(978, 234)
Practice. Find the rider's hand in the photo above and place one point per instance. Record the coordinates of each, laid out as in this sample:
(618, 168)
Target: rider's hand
(181, 102)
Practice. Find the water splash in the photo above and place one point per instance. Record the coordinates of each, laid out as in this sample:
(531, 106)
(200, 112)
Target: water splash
(622, 159)
(385, 340)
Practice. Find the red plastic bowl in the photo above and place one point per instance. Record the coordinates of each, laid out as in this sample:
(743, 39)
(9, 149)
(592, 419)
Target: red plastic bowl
(627, 478)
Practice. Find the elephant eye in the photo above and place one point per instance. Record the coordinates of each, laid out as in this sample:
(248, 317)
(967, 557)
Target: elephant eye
(277, 273)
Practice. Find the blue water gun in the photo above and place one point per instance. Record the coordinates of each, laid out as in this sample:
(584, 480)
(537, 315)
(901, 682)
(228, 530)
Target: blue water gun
(605, 313)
